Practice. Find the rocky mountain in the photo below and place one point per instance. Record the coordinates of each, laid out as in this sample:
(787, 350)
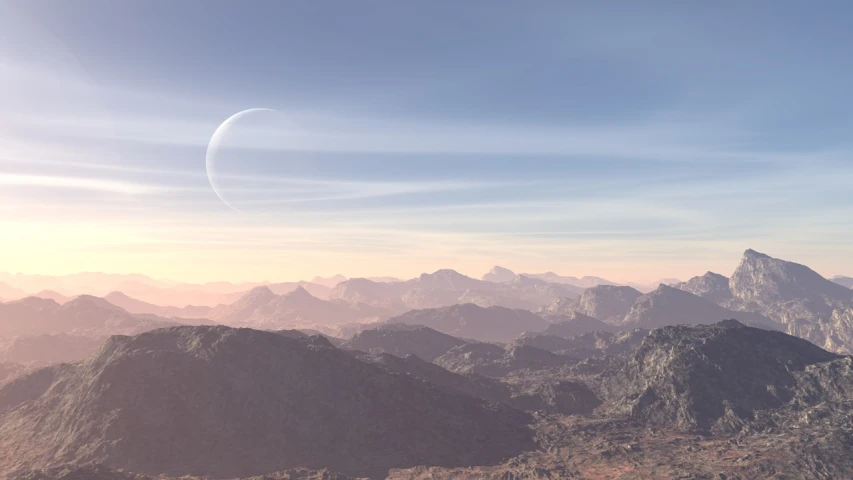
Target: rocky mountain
(474, 385)
(711, 377)
(401, 340)
(607, 303)
(83, 315)
(786, 291)
(587, 345)
(493, 324)
(844, 281)
(711, 286)
(499, 275)
(224, 402)
(671, 306)
(263, 309)
(495, 361)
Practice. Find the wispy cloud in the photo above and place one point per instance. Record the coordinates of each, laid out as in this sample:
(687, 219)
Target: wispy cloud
(111, 186)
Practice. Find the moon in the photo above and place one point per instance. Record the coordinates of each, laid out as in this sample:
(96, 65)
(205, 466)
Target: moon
(213, 146)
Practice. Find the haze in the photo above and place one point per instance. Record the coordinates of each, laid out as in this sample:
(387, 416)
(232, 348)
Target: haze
(631, 143)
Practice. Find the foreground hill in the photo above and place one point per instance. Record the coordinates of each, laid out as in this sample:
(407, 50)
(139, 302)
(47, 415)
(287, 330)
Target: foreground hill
(711, 377)
(493, 324)
(236, 402)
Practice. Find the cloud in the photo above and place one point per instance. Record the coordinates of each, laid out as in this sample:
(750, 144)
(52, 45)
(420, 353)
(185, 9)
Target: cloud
(111, 186)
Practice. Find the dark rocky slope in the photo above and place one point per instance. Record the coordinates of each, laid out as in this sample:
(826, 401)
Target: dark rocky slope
(237, 402)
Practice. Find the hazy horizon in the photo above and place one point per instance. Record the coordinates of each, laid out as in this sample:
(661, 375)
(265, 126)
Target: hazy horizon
(627, 144)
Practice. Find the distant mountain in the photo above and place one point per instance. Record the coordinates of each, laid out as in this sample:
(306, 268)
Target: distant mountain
(50, 349)
(9, 371)
(711, 377)
(329, 282)
(133, 305)
(401, 340)
(811, 306)
(499, 275)
(51, 295)
(263, 309)
(11, 293)
(448, 287)
(316, 290)
(226, 403)
(142, 287)
(711, 286)
(845, 281)
(497, 324)
(384, 279)
(671, 306)
(576, 324)
(83, 315)
(786, 291)
(607, 303)
(583, 282)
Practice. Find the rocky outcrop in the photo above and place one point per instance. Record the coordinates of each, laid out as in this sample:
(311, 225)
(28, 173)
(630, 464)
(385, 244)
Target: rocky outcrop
(786, 291)
(710, 377)
(495, 361)
(607, 303)
(711, 286)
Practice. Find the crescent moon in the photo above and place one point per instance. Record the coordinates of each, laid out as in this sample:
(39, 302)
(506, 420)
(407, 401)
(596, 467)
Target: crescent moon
(213, 146)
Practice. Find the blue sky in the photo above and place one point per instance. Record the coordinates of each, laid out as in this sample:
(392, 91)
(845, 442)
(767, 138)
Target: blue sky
(629, 140)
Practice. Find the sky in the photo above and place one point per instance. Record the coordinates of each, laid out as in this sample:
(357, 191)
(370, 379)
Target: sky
(628, 140)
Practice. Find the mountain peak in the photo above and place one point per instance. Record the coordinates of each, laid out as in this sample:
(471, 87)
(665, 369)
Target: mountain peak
(499, 275)
(752, 254)
(299, 293)
(261, 292)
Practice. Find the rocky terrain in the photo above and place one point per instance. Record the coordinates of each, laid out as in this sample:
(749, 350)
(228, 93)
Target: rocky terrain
(713, 378)
(237, 402)
(705, 402)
